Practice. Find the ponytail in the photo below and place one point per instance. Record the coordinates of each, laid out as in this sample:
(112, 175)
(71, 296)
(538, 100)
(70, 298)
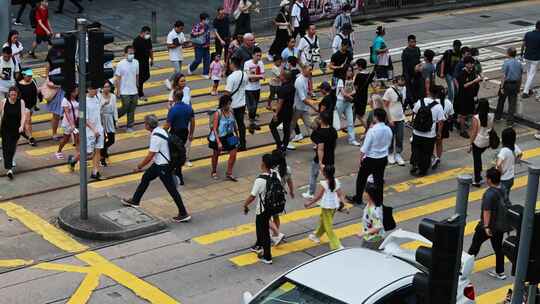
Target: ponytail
(329, 172)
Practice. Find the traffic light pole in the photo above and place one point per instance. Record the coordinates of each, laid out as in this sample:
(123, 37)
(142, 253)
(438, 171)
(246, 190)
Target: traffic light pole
(81, 27)
(5, 18)
(527, 226)
(462, 202)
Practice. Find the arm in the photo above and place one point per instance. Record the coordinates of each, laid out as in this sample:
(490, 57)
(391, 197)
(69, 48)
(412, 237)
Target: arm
(317, 197)
(291, 187)
(149, 157)
(44, 27)
(486, 216)
(215, 129)
(248, 202)
(23, 116)
(115, 108)
(191, 128)
(320, 154)
(117, 80)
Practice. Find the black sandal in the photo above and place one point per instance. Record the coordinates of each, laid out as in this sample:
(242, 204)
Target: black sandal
(232, 178)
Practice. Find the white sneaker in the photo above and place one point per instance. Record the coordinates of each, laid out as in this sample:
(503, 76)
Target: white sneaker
(298, 137)
(391, 159)
(189, 71)
(312, 237)
(307, 195)
(168, 84)
(14, 163)
(276, 240)
(354, 143)
(399, 160)
(205, 76)
(500, 276)
(537, 136)
(290, 146)
(189, 164)
(270, 57)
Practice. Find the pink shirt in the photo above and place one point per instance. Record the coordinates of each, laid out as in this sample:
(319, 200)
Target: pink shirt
(216, 69)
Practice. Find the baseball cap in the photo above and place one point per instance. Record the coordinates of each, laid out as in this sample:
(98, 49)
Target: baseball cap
(28, 72)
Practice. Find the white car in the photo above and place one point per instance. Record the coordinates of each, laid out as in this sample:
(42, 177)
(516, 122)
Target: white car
(359, 276)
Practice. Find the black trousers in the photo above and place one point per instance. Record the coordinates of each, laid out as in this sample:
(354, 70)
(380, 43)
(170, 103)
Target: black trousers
(144, 75)
(375, 166)
(32, 4)
(286, 121)
(75, 2)
(223, 49)
(422, 151)
(109, 141)
(510, 92)
(183, 134)
(9, 146)
(413, 91)
(165, 175)
(239, 117)
(262, 227)
(477, 160)
(496, 240)
(299, 31)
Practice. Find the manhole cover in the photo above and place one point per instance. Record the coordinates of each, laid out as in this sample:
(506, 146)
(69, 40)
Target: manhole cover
(521, 23)
(126, 217)
(485, 16)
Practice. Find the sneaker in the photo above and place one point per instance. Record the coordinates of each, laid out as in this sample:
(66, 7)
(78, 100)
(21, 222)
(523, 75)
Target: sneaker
(182, 218)
(290, 146)
(500, 276)
(391, 159)
(32, 142)
(189, 72)
(312, 237)
(399, 160)
(256, 249)
(298, 137)
(33, 55)
(10, 174)
(143, 98)
(307, 195)
(435, 163)
(13, 163)
(129, 203)
(103, 162)
(263, 260)
(537, 136)
(525, 95)
(354, 143)
(479, 183)
(189, 164)
(276, 240)
(96, 176)
(168, 84)
(17, 23)
(205, 76)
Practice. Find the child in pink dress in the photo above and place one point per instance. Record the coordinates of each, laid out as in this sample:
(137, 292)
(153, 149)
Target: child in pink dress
(216, 72)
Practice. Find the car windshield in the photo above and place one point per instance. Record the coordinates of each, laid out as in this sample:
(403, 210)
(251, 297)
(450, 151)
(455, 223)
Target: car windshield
(285, 291)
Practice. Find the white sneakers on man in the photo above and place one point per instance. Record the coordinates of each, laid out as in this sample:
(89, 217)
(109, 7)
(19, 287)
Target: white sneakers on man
(307, 195)
(298, 137)
(537, 136)
(399, 160)
(354, 143)
(391, 159)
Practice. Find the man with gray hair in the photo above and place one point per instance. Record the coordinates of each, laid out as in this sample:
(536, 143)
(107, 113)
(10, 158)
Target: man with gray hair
(510, 84)
(158, 152)
(245, 51)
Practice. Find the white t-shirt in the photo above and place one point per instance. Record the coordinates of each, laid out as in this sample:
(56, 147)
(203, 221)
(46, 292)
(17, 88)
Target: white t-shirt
(185, 99)
(482, 138)
(301, 93)
(336, 43)
(330, 199)
(16, 51)
(74, 108)
(252, 68)
(128, 72)
(7, 74)
(296, 14)
(508, 159)
(93, 113)
(304, 47)
(448, 108)
(176, 54)
(157, 145)
(259, 191)
(437, 113)
(234, 82)
(395, 107)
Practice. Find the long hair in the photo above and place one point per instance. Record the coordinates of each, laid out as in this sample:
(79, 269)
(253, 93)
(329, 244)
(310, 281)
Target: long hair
(508, 138)
(10, 35)
(178, 94)
(329, 172)
(280, 162)
(483, 111)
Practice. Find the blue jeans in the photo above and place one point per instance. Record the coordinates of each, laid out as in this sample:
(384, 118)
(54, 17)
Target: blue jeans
(506, 185)
(346, 107)
(202, 54)
(313, 175)
(451, 88)
(397, 138)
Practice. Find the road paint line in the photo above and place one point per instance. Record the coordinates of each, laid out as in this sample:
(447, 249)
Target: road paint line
(63, 267)
(15, 263)
(350, 230)
(85, 289)
(494, 296)
(240, 230)
(205, 162)
(42, 227)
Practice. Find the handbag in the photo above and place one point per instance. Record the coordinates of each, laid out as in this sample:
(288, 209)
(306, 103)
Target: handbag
(48, 91)
(336, 120)
(232, 141)
(494, 140)
(389, 223)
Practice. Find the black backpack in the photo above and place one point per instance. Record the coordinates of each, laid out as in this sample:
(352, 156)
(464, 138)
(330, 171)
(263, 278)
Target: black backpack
(423, 120)
(32, 17)
(501, 216)
(304, 16)
(177, 150)
(274, 196)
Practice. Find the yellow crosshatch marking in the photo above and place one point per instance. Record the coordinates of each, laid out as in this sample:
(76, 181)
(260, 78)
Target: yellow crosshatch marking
(97, 265)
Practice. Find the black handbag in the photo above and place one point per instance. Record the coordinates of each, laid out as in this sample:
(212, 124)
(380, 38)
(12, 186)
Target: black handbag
(494, 140)
(388, 218)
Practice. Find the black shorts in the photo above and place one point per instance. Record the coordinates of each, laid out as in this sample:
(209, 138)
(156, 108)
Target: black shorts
(216, 82)
(225, 146)
(42, 38)
(360, 109)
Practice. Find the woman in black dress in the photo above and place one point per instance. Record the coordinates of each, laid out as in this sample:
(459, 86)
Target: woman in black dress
(243, 22)
(362, 80)
(12, 111)
(468, 82)
(282, 30)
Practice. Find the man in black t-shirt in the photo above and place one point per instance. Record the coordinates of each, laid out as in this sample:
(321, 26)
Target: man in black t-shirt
(222, 32)
(486, 227)
(324, 138)
(284, 111)
(339, 60)
(328, 102)
(142, 45)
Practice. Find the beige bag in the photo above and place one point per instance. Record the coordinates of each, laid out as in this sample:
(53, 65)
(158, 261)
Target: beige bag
(48, 90)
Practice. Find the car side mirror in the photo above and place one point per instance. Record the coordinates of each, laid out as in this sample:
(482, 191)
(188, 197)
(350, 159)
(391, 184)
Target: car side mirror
(247, 297)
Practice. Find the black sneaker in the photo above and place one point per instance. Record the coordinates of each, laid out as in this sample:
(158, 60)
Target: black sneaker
(36, 108)
(32, 141)
(96, 176)
(103, 162)
(525, 95)
(182, 218)
(10, 174)
(71, 163)
(256, 249)
(262, 259)
(129, 203)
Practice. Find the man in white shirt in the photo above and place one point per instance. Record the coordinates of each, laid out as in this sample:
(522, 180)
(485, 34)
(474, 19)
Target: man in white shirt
(296, 18)
(175, 41)
(309, 47)
(126, 81)
(158, 153)
(344, 34)
(393, 104)
(424, 141)
(254, 68)
(373, 157)
(302, 103)
(236, 88)
(8, 71)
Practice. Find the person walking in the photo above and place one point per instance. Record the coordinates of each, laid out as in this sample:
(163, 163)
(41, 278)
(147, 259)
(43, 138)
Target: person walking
(275, 80)
(258, 194)
(142, 46)
(290, 51)
(236, 90)
(179, 85)
(339, 61)
(222, 33)
(243, 22)
(200, 38)
(22, 7)
(60, 8)
(486, 229)
(506, 160)
(126, 84)
(482, 125)
(254, 68)
(447, 67)
(29, 93)
(16, 46)
(70, 120)
(223, 136)
(302, 103)
(109, 118)
(175, 43)
(426, 74)
(284, 111)
(13, 114)
(298, 18)
(158, 154)
(310, 51)
(510, 84)
(43, 30)
(468, 83)
(216, 73)
(530, 51)
(344, 102)
(394, 99)
(410, 58)
(345, 34)
(362, 80)
(245, 51)
(283, 30)
(373, 156)
(343, 18)
(372, 233)
(285, 174)
(380, 54)
(330, 195)
(9, 71)
(448, 109)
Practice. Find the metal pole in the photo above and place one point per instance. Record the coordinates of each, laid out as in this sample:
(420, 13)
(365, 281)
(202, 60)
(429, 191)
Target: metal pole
(81, 26)
(532, 294)
(462, 202)
(5, 18)
(525, 237)
(154, 27)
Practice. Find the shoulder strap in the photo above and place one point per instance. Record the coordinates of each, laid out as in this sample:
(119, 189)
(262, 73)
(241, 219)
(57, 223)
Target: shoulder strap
(165, 138)
(432, 104)
(239, 84)
(397, 92)
(422, 103)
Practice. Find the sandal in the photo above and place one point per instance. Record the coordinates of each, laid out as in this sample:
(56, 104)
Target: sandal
(231, 178)
(215, 176)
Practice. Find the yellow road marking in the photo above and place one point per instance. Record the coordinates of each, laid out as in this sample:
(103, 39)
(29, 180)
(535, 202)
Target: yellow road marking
(249, 228)
(201, 163)
(85, 289)
(15, 263)
(494, 296)
(350, 230)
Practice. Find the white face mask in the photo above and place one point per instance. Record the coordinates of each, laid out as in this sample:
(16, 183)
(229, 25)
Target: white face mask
(130, 57)
(348, 14)
(147, 36)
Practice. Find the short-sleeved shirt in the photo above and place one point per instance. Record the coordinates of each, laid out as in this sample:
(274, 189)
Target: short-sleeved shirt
(328, 137)
(93, 113)
(275, 72)
(490, 199)
(286, 93)
(437, 113)
(330, 199)
(512, 69)
(372, 218)
(448, 108)
(378, 43)
(176, 54)
(532, 45)
(301, 93)
(216, 69)
(508, 158)
(428, 71)
(186, 96)
(339, 59)
(236, 83)
(73, 107)
(250, 67)
(128, 72)
(259, 191)
(221, 26)
(338, 39)
(243, 53)
(286, 53)
(180, 115)
(159, 146)
(43, 15)
(305, 46)
(396, 106)
(7, 74)
(296, 14)
(16, 49)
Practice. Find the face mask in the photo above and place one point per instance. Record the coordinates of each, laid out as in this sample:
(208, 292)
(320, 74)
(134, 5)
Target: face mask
(130, 57)
(147, 36)
(348, 14)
